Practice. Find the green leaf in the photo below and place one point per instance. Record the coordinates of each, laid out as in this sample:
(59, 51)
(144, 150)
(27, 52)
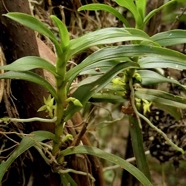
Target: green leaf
(63, 32)
(129, 4)
(85, 92)
(108, 98)
(107, 8)
(101, 82)
(175, 112)
(157, 52)
(88, 80)
(150, 77)
(66, 179)
(101, 67)
(177, 61)
(32, 77)
(95, 71)
(106, 36)
(109, 157)
(141, 7)
(104, 57)
(171, 58)
(153, 12)
(172, 37)
(26, 143)
(30, 63)
(34, 24)
(137, 146)
(161, 97)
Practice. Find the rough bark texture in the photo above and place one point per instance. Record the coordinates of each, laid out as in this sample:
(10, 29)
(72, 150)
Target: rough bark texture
(18, 41)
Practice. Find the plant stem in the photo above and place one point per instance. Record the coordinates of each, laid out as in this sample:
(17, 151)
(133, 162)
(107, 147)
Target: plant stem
(60, 102)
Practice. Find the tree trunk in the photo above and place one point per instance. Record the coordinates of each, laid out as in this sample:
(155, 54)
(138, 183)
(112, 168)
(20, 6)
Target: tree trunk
(23, 100)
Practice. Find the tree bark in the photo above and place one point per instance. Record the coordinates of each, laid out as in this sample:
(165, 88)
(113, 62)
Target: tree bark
(18, 41)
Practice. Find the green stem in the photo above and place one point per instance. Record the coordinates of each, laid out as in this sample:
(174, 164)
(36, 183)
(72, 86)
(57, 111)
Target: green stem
(136, 137)
(60, 102)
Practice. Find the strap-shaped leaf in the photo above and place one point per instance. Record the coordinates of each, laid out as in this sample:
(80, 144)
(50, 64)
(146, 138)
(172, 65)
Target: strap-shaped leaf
(177, 61)
(107, 8)
(34, 24)
(30, 63)
(150, 77)
(172, 37)
(32, 77)
(108, 98)
(66, 179)
(26, 143)
(161, 97)
(153, 12)
(155, 57)
(109, 157)
(141, 7)
(173, 111)
(89, 80)
(85, 92)
(63, 32)
(101, 67)
(96, 71)
(130, 5)
(104, 56)
(106, 36)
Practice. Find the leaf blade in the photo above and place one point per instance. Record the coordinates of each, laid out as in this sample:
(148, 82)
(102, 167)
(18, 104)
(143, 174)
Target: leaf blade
(161, 97)
(29, 63)
(34, 24)
(129, 4)
(171, 37)
(153, 12)
(109, 157)
(84, 92)
(150, 77)
(162, 62)
(106, 36)
(150, 57)
(113, 11)
(26, 143)
(63, 32)
(32, 77)
(141, 7)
